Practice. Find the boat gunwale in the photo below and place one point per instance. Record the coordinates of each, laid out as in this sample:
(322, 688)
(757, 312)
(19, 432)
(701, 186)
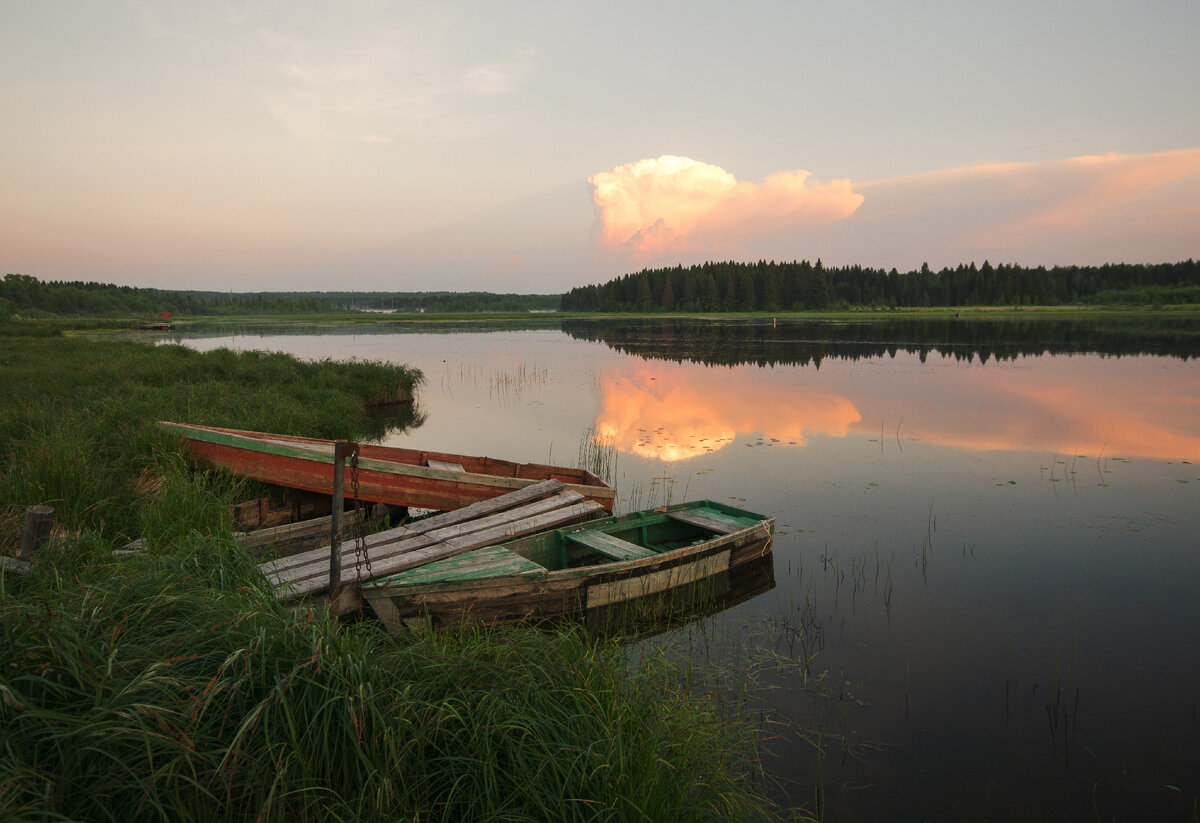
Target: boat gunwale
(241, 440)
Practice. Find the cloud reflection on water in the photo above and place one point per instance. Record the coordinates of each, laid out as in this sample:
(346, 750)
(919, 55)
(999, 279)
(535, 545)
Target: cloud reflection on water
(677, 411)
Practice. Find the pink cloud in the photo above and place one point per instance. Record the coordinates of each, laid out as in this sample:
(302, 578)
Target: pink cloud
(1090, 210)
(1089, 186)
(678, 206)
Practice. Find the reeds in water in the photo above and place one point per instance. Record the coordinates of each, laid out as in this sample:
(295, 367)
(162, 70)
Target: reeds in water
(598, 454)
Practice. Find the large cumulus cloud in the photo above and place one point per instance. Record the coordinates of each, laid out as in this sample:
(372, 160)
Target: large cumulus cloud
(672, 207)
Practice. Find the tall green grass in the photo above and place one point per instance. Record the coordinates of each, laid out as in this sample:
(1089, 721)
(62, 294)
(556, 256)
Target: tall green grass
(78, 418)
(171, 685)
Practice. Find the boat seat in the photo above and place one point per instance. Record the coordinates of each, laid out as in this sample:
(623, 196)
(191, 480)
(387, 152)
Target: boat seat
(613, 547)
(710, 519)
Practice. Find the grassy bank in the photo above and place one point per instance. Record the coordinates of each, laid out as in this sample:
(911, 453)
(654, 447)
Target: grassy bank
(171, 686)
(78, 418)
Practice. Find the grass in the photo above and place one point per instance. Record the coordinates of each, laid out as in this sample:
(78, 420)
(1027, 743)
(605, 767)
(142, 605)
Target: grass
(171, 685)
(598, 454)
(78, 417)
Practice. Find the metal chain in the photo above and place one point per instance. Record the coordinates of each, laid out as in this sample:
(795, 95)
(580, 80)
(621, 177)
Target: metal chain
(361, 557)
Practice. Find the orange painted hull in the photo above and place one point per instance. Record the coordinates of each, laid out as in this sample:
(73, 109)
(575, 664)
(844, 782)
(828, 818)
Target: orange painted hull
(396, 476)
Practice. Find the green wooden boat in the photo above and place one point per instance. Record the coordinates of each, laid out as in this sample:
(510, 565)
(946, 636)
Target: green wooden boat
(576, 570)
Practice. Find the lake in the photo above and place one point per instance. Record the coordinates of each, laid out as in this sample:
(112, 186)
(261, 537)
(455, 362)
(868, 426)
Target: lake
(987, 556)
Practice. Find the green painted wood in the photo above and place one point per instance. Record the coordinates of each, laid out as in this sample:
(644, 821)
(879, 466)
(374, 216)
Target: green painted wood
(711, 519)
(613, 547)
(493, 561)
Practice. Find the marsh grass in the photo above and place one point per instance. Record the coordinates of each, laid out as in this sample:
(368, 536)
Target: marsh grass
(171, 685)
(78, 417)
(598, 454)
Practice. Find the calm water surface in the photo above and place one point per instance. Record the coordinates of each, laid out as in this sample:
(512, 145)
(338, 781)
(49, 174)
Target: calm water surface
(987, 563)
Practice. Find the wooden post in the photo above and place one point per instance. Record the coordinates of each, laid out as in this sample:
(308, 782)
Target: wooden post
(341, 448)
(38, 522)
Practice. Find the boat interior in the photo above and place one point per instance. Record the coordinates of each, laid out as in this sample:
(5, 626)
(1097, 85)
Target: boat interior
(639, 535)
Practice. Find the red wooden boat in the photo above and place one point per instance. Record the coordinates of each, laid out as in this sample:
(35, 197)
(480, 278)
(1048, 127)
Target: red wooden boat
(386, 474)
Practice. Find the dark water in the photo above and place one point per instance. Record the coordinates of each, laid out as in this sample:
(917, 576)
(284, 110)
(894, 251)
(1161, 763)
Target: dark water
(987, 565)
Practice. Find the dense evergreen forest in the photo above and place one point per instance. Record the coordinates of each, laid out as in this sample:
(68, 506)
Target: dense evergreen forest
(769, 286)
(27, 296)
(708, 287)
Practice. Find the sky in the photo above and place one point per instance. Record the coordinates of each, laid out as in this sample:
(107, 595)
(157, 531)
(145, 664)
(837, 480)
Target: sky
(538, 146)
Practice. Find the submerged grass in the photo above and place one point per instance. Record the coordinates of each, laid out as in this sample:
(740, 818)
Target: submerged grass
(171, 685)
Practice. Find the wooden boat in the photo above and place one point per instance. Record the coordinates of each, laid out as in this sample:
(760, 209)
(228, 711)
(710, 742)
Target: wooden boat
(576, 570)
(396, 476)
(535, 508)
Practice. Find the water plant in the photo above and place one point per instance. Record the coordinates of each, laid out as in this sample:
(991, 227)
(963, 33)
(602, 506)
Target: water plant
(598, 454)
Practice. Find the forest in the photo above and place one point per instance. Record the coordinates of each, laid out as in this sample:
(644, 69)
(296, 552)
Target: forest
(708, 287)
(798, 286)
(25, 295)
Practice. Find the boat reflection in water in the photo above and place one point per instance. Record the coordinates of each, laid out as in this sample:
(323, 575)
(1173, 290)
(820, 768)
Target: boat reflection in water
(645, 618)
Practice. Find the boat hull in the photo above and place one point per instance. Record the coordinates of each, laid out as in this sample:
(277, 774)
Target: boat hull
(594, 592)
(395, 476)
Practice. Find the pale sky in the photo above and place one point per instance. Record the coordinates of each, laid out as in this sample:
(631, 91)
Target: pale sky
(533, 147)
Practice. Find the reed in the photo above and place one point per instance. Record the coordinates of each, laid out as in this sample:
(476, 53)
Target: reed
(598, 454)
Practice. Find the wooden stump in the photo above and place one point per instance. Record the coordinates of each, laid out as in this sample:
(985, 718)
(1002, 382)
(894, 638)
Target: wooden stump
(38, 522)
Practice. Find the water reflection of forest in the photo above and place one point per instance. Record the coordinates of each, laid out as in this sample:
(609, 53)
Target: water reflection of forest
(766, 342)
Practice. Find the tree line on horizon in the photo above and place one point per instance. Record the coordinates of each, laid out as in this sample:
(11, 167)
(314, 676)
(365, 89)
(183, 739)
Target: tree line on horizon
(800, 285)
(26, 295)
(708, 287)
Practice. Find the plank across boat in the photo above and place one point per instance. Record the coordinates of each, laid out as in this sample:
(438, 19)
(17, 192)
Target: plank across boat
(576, 570)
(386, 474)
(535, 508)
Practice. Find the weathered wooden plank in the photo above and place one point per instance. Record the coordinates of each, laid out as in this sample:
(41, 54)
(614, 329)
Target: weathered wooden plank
(615, 591)
(12, 564)
(39, 521)
(491, 561)
(316, 564)
(500, 526)
(318, 567)
(530, 493)
(289, 532)
(388, 614)
(563, 498)
(575, 513)
(610, 546)
(132, 547)
(444, 465)
(708, 519)
(419, 555)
